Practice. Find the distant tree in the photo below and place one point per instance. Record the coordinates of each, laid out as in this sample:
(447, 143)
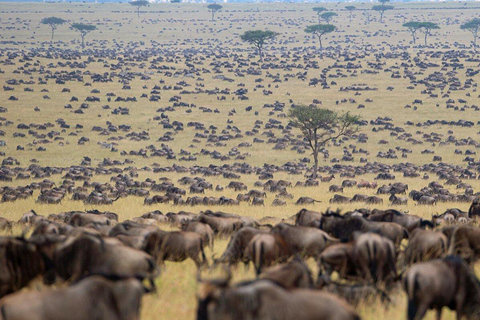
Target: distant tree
(319, 30)
(383, 1)
(139, 4)
(427, 27)
(319, 10)
(350, 9)
(381, 9)
(83, 29)
(175, 1)
(413, 27)
(367, 14)
(327, 16)
(214, 8)
(257, 38)
(473, 26)
(319, 126)
(53, 22)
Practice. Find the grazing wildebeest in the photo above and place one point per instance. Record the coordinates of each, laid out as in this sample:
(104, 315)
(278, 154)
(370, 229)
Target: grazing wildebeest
(92, 298)
(409, 222)
(308, 218)
(204, 230)
(442, 283)
(263, 300)
(306, 241)
(237, 245)
(343, 228)
(86, 254)
(293, 274)
(465, 242)
(374, 256)
(306, 200)
(425, 245)
(265, 249)
(176, 246)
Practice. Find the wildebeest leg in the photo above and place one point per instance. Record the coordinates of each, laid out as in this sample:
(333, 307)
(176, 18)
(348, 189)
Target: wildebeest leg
(439, 313)
(416, 312)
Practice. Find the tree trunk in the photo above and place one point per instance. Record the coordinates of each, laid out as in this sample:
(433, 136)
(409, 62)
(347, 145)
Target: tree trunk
(381, 16)
(213, 15)
(138, 12)
(83, 40)
(260, 53)
(414, 38)
(426, 35)
(315, 165)
(53, 31)
(350, 18)
(474, 43)
(320, 43)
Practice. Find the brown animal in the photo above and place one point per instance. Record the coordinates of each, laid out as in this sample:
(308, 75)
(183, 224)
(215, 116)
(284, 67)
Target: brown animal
(204, 230)
(92, 298)
(264, 300)
(308, 242)
(290, 275)
(442, 283)
(308, 218)
(237, 245)
(465, 242)
(176, 246)
(425, 245)
(265, 249)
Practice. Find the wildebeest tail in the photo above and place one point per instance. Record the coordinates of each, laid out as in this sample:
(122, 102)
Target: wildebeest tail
(258, 254)
(411, 286)
(204, 258)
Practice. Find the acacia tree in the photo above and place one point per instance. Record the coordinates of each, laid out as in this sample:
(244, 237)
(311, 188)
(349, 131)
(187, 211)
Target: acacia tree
(258, 38)
(350, 9)
(214, 8)
(413, 27)
(327, 16)
(53, 22)
(473, 26)
(319, 10)
(427, 27)
(319, 30)
(319, 126)
(139, 4)
(381, 9)
(83, 29)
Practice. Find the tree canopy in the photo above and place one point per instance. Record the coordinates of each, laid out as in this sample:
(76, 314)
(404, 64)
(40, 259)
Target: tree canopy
(83, 29)
(214, 7)
(413, 27)
(382, 8)
(258, 38)
(319, 10)
(473, 26)
(319, 126)
(139, 4)
(53, 22)
(327, 16)
(319, 30)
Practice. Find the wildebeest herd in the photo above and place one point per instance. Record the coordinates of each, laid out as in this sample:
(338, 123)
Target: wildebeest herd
(155, 173)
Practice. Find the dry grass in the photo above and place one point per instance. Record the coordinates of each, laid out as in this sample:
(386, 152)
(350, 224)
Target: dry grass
(179, 27)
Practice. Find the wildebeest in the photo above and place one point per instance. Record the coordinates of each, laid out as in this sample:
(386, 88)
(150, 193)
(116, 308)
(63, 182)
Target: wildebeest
(474, 210)
(308, 218)
(306, 241)
(92, 298)
(293, 274)
(237, 245)
(263, 299)
(442, 283)
(86, 254)
(465, 242)
(176, 246)
(265, 249)
(425, 245)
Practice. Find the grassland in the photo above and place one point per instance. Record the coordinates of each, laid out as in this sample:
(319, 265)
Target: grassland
(181, 35)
